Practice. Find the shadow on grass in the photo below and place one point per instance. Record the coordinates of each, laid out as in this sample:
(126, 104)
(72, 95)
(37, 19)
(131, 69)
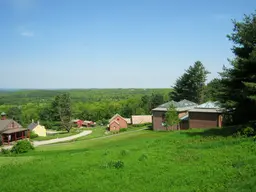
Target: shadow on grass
(211, 132)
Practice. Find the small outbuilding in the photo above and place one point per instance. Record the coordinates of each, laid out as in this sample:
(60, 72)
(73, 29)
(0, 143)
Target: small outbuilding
(37, 129)
(117, 122)
(206, 115)
(114, 126)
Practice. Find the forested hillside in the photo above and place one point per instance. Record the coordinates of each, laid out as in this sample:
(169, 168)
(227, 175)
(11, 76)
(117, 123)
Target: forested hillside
(89, 104)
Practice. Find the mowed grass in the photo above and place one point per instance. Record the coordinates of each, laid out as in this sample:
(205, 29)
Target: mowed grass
(153, 161)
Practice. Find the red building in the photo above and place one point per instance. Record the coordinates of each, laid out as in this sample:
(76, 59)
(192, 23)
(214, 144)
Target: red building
(11, 131)
(117, 122)
(78, 122)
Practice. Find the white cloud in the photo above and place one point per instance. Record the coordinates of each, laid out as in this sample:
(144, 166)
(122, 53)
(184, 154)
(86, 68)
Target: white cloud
(27, 34)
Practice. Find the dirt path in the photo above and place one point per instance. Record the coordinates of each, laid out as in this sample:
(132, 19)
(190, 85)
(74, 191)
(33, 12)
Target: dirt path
(51, 141)
(84, 133)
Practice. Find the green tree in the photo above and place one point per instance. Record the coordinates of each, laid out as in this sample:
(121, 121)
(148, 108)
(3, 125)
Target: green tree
(63, 105)
(15, 113)
(212, 90)
(171, 117)
(239, 80)
(156, 100)
(191, 84)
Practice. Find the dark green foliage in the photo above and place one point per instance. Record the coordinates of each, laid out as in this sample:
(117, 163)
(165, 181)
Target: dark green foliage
(191, 84)
(22, 147)
(248, 131)
(117, 164)
(156, 100)
(33, 135)
(238, 92)
(62, 106)
(15, 113)
(212, 90)
(114, 164)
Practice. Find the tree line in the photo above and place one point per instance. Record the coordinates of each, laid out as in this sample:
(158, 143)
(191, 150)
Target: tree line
(136, 102)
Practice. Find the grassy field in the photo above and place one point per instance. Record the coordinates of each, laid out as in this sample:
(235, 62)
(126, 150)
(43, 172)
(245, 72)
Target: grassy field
(136, 161)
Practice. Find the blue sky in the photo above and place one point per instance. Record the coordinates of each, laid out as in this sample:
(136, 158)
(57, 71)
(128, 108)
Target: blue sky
(113, 43)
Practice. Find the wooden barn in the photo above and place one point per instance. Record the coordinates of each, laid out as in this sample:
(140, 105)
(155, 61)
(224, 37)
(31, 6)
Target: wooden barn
(117, 122)
(206, 115)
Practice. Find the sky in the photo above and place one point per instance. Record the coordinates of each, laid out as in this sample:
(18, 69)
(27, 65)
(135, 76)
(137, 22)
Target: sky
(48, 44)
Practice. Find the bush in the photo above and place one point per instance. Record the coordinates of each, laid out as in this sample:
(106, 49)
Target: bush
(114, 164)
(247, 131)
(6, 151)
(123, 129)
(33, 135)
(22, 147)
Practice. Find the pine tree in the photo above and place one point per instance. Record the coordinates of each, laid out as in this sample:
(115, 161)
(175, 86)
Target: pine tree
(191, 84)
(239, 81)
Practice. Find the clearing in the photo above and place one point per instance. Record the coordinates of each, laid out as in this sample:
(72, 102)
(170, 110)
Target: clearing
(136, 161)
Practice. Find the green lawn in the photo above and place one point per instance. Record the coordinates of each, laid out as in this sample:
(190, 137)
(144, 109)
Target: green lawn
(152, 161)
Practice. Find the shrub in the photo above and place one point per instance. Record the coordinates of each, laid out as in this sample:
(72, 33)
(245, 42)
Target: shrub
(114, 164)
(118, 164)
(6, 151)
(123, 129)
(33, 135)
(22, 147)
(248, 131)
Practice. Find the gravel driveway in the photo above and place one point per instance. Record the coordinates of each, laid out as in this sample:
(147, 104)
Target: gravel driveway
(51, 141)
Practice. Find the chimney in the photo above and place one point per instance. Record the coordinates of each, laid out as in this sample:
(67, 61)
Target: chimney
(32, 120)
(38, 123)
(3, 116)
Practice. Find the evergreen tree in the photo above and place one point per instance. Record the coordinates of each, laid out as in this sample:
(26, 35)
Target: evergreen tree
(239, 81)
(212, 90)
(191, 84)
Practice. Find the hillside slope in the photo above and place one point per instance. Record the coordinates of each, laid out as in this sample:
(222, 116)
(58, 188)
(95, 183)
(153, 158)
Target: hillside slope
(139, 161)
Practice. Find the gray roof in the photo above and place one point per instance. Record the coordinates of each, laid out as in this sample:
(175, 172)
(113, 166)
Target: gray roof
(8, 131)
(183, 105)
(206, 110)
(208, 107)
(4, 124)
(31, 126)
